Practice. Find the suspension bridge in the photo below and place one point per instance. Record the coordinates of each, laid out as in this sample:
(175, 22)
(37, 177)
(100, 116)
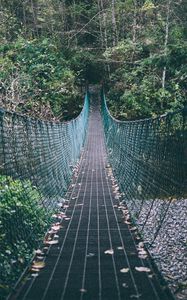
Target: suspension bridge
(113, 197)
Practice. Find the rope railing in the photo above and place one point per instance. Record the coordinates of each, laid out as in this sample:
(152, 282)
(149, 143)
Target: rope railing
(36, 165)
(148, 158)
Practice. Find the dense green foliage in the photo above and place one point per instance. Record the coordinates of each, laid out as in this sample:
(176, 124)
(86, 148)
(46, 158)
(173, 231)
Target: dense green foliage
(37, 79)
(51, 48)
(23, 223)
(138, 87)
(151, 76)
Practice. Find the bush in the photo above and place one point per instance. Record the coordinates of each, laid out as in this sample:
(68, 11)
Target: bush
(23, 222)
(37, 80)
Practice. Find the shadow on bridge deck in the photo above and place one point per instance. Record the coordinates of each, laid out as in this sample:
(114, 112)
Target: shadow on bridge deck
(96, 256)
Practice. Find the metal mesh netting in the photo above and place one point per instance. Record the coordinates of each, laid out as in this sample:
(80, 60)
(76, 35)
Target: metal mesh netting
(41, 151)
(148, 158)
(36, 164)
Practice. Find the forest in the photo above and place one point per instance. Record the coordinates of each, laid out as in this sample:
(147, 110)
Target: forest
(50, 49)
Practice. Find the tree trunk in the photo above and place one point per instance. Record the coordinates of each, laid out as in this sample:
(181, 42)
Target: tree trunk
(166, 42)
(100, 24)
(34, 13)
(24, 19)
(104, 25)
(134, 29)
(74, 22)
(114, 27)
(104, 15)
(61, 6)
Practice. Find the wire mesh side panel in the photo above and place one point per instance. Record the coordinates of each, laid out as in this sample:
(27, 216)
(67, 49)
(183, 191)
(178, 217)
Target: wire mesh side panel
(149, 160)
(43, 152)
(36, 164)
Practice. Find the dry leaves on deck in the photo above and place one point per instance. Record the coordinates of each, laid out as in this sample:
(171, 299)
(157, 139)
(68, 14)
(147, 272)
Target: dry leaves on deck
(142, 253)
(124, 270)
(83, 290)
(90, 255)
(38, 265)
(109, 251)
(52, 242)
(142, 269)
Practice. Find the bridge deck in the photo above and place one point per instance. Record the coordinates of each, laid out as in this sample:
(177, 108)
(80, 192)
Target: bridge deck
(78, 266)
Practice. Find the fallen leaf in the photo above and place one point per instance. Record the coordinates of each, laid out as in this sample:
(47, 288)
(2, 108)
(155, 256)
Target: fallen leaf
(35, 270)
(116, 188)
(62, 214)
(56, 227)
(51, 232)
(126, 222)
(54, 216)
(83, 290)
(110, 251)
(115, 185)
(121, 207)
(124, 270)
(126, 213)
(38, 252)
(65, 206)
(34, 274)
(120, 248)
(52, 242)
(142, 252)
(142, 256)
(64, 200)
(124, 285)
(133, 228)
(142, 269)
(90, 255)
(40, 257)
(38, 265)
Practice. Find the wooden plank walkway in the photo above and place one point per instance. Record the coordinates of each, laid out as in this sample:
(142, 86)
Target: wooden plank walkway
(78, 267)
